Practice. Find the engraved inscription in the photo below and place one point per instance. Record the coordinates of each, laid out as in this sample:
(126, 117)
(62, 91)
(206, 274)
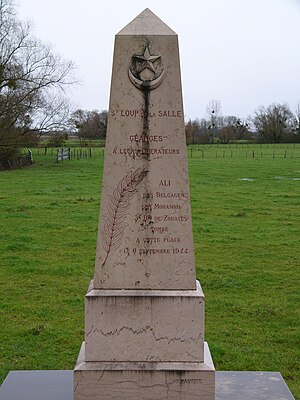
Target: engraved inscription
(161, 213)
(130, 113)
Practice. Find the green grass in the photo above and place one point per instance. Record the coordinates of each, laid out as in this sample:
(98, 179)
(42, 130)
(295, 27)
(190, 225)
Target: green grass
(246, 235)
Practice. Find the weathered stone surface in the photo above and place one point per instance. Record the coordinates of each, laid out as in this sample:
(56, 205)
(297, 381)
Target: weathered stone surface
(144, 325)
(145, 232)
(147, 381)
(147, 23)
(144, 318)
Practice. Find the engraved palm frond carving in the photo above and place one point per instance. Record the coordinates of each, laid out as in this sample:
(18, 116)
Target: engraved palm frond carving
(118, 205)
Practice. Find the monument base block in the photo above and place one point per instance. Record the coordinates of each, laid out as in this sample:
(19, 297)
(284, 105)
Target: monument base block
(144, 325)
(144, 380)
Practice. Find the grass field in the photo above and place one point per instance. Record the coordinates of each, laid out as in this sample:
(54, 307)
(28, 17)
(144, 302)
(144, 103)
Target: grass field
(246, 221)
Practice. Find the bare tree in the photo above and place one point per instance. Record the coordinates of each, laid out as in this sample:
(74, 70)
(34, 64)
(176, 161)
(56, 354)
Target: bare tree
(226, 125)
(197, 131)
(274, 123)
(214, 112)
(32, 83)
(90, 124)
(232, 128)
(296, 124)
(242, 129)
(191, 131)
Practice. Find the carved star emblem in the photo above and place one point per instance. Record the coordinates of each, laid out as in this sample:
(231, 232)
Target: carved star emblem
(147, 60)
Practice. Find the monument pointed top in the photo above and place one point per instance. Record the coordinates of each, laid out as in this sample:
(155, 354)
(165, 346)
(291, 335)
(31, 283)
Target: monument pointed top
(146, 23)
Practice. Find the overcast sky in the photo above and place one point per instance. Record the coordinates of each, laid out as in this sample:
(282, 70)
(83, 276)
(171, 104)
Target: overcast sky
(245, 53)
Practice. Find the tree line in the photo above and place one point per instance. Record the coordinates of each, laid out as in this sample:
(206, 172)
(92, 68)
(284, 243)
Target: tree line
(273, 124)
(33, 101)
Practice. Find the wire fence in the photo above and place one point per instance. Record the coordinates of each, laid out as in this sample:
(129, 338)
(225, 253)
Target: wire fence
(193, 151)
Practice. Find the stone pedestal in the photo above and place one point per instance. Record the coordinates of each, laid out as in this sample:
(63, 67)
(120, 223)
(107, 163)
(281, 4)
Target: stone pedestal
(144, 325)
(144, 380)
(144, 310)
(144, 344)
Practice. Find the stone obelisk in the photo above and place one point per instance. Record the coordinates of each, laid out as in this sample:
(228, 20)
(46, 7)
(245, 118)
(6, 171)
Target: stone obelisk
(144, 313)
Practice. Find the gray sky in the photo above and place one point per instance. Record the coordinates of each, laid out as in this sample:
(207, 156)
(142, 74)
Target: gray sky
(245, 53)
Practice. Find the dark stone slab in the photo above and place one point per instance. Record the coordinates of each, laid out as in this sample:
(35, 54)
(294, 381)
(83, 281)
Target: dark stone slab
(37, 385)
(58, 385)
(251, 386)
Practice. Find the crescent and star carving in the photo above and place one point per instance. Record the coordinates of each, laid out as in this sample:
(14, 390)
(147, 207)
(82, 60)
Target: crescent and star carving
(146, 70)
